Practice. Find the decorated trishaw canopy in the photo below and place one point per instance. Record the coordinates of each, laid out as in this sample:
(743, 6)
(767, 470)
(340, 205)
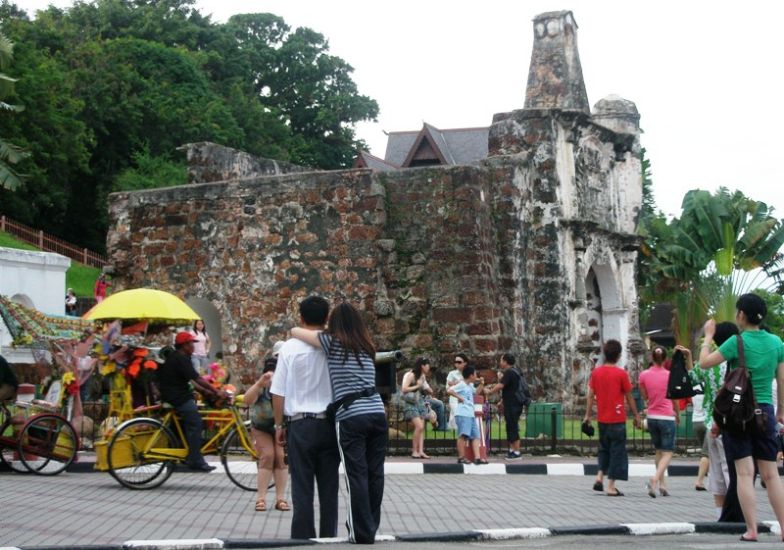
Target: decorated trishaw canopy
(28, 325)
(143, 304)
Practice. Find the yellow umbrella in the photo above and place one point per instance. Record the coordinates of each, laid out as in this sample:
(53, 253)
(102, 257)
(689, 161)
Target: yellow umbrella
(142, 303)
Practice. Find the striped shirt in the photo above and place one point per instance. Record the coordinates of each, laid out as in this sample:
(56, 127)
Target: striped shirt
(349, 377)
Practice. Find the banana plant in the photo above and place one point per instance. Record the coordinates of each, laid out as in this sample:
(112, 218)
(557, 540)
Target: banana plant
(10, 154)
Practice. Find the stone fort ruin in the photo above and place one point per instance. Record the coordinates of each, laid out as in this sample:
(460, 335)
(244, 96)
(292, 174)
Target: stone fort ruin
(531, 250)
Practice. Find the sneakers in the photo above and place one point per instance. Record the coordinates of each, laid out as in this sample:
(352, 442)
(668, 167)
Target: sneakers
(513, 455)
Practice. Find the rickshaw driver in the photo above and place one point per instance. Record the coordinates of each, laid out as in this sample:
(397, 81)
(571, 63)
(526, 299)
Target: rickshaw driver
(173, 378)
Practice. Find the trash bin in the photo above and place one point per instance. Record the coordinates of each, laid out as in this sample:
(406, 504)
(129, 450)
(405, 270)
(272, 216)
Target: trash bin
(539, 420)
(684, 428)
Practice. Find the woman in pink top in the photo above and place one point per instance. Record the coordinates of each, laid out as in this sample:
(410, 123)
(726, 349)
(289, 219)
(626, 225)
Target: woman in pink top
(201, 347)
(662, 417)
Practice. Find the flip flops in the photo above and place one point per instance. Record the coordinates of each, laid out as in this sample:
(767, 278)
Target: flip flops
(598, 486)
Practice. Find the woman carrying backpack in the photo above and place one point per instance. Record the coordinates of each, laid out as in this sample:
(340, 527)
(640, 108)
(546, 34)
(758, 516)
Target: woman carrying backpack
(764, 359)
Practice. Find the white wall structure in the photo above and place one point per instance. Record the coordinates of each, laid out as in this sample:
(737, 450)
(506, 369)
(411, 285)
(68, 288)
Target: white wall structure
(34, 279)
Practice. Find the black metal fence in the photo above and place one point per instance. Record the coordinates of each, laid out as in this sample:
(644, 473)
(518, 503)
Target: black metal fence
(544, 429)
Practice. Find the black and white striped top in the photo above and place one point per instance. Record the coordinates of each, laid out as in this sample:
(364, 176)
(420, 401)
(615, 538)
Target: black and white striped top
(348, 377)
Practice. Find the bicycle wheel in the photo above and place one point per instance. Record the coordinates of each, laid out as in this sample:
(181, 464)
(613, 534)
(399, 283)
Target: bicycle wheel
(240, 461)
(126, 453)
(47, 444)
(9, 454)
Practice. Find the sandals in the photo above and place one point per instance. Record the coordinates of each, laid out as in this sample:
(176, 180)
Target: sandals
(617, 493)
(464, 461)
(598, 486)
(282, 505)
(651, 492)
(261, 505)
(664, 492)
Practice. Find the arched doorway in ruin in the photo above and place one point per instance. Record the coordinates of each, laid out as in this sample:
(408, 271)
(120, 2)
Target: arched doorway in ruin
(209, 314)
(24, 300)
(605, 316)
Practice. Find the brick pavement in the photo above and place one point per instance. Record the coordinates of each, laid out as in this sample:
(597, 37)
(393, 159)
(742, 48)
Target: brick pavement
(94, 509)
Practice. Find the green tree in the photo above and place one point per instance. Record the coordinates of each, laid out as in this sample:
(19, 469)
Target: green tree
(150, 172)
(774, 320)
(10, 154)
(712, 253)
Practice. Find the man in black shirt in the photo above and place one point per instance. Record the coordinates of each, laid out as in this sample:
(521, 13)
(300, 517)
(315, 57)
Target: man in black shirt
(513, 408)
(8, 381)
(173, 378)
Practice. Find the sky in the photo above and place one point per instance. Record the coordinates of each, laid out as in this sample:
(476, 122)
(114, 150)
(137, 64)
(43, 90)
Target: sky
(706, 76)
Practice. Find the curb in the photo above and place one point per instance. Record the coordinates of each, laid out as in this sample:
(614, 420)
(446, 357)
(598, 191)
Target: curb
(575, 469)
(625, 529)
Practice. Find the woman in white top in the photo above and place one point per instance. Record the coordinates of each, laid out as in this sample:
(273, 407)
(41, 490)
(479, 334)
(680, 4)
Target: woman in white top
(454, 377)
(201, 347)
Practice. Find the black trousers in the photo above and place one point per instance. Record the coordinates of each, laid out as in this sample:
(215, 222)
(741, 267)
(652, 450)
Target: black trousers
(192, 427)
(363, 442)
(313, 454)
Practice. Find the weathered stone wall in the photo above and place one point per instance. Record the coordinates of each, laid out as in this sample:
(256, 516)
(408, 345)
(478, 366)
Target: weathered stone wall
(531, 252)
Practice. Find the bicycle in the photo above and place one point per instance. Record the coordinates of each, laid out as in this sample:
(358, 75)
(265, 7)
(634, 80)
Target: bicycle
(46, 444)
(143, 452)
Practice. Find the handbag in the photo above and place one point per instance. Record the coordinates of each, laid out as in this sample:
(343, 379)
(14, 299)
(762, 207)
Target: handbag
(679, 385)
(261, 415)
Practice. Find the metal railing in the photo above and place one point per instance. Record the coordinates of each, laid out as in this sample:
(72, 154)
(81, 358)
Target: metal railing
(543, 430)
(50, 243)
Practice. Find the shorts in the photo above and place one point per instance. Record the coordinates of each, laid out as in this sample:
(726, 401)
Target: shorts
(760, 446)
(467, 427)
(699, 435)
(662, 434)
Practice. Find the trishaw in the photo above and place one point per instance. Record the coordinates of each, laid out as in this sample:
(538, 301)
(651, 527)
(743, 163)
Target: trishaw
(143, 450)
(44, 443)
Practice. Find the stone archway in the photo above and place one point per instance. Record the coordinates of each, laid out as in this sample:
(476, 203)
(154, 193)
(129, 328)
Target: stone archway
(212, 319)
(24, 300)
(606, 317)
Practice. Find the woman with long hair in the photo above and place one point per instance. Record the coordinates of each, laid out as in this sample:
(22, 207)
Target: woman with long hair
(764, 359)
(661, 416)
(414, 409)
(360, 420)
(201, 346)
(271, 455)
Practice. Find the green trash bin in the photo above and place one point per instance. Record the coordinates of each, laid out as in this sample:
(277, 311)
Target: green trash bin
(539, 420)
(684, 428)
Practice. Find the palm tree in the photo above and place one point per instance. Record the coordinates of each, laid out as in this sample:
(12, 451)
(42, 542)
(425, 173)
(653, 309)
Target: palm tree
(720, 247)
(9, 154)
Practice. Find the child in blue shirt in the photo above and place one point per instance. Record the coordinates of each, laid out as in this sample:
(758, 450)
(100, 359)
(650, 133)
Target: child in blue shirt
(467, 427)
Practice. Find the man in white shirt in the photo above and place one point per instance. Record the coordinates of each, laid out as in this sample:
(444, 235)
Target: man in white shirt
(301, 391)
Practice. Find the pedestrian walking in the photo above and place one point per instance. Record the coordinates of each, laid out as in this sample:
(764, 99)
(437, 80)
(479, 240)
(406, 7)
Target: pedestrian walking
(661, 416)
(610, 386)
(764, 358)
(301, 392)
(271, 454)
(360, 419)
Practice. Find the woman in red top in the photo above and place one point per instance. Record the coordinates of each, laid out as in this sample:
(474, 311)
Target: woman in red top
(99, 290)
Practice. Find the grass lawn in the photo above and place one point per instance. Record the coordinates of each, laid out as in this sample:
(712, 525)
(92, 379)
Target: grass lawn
(79, 277)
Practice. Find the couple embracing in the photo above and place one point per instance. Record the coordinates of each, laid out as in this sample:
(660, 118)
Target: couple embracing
(328, 411)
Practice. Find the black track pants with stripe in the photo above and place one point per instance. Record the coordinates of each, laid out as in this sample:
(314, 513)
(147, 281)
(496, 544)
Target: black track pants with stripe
(362, 441)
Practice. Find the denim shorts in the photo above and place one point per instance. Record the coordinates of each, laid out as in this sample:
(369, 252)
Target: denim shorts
(662, 434)
(467, 426)
(761, 446)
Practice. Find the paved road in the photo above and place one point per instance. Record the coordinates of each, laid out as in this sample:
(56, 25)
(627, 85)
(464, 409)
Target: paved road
(94, 509)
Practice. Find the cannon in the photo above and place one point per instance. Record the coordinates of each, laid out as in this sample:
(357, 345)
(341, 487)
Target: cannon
(386, 367)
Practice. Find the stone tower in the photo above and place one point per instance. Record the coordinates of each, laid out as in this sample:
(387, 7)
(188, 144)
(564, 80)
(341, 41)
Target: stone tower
(555, 77)
(579, 174)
